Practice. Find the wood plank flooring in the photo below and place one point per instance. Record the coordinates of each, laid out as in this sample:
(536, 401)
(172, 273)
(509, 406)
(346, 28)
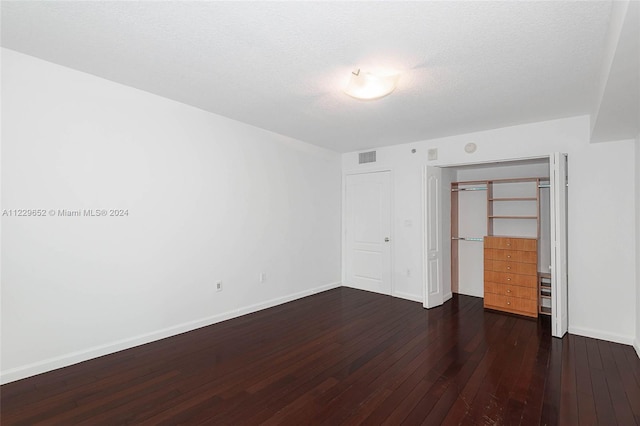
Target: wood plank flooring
(346, 357)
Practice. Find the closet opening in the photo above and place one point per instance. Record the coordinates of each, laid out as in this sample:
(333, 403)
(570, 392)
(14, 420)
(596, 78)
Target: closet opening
(498, 231)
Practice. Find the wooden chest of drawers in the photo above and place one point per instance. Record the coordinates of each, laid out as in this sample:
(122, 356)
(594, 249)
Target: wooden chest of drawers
(510, 275)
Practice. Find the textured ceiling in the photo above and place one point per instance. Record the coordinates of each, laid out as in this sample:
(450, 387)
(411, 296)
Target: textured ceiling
(281, 66)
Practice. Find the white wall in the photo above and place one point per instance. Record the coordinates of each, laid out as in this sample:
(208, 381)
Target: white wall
(637, 340)
(208, 199)
(602, 258)
(616, 109)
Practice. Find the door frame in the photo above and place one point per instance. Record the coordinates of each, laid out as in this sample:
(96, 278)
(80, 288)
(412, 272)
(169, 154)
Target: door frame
(343, 237)
(447, 232)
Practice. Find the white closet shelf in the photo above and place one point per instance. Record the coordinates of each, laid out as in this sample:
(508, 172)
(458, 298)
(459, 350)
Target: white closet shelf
(517, 180)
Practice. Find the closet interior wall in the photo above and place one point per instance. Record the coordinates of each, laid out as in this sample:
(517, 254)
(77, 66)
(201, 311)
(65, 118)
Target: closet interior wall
(469, 210)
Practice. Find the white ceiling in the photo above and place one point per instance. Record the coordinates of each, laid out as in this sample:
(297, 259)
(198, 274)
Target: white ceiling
(281, 66)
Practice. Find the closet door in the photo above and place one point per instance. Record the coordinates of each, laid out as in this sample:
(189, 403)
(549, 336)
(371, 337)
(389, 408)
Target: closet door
(437, 236)
(558, 206)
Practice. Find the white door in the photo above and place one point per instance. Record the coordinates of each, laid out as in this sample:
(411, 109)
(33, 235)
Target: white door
(437, 238)
(558, 206)
(368, 232)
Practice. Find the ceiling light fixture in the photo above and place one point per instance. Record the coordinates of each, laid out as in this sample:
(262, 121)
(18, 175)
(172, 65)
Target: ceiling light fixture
(367, 86)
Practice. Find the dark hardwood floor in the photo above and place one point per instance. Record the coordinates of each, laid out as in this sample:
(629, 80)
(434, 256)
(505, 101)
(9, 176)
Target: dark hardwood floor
(346, 357)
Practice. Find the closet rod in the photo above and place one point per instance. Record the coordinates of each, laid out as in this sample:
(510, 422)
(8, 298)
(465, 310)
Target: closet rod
(477, 188)
(467, 239)
(549, 186)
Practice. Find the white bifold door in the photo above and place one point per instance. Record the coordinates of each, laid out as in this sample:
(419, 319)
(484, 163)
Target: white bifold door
(437, 236)
(558, 207)
(368, 231)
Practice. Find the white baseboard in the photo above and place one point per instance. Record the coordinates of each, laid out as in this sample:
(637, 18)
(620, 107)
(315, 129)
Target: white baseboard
(356, 287)
(280, 300)
(602, 335)
(481, 295)
(408, 296)
(416, 297)
(398, 294)
(636, 346)
(66, 360)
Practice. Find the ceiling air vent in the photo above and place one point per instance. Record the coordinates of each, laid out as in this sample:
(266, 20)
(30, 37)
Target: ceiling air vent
(367, 157)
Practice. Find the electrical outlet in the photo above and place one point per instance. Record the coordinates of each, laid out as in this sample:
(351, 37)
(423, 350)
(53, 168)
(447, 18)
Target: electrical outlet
(263, 277)
(218, 285)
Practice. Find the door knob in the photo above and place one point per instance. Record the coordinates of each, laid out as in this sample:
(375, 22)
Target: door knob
(386, 239)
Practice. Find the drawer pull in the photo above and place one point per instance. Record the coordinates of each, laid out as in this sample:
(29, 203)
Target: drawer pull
(508, 267)
(508, 279)
(508, 303)
(509, 256)
(508, 291)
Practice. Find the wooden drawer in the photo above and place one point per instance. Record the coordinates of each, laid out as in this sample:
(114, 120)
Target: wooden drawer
(511, 267)
(515, 305)
(510, 290)
(508, 278)
(511, 255)
(508, 243)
